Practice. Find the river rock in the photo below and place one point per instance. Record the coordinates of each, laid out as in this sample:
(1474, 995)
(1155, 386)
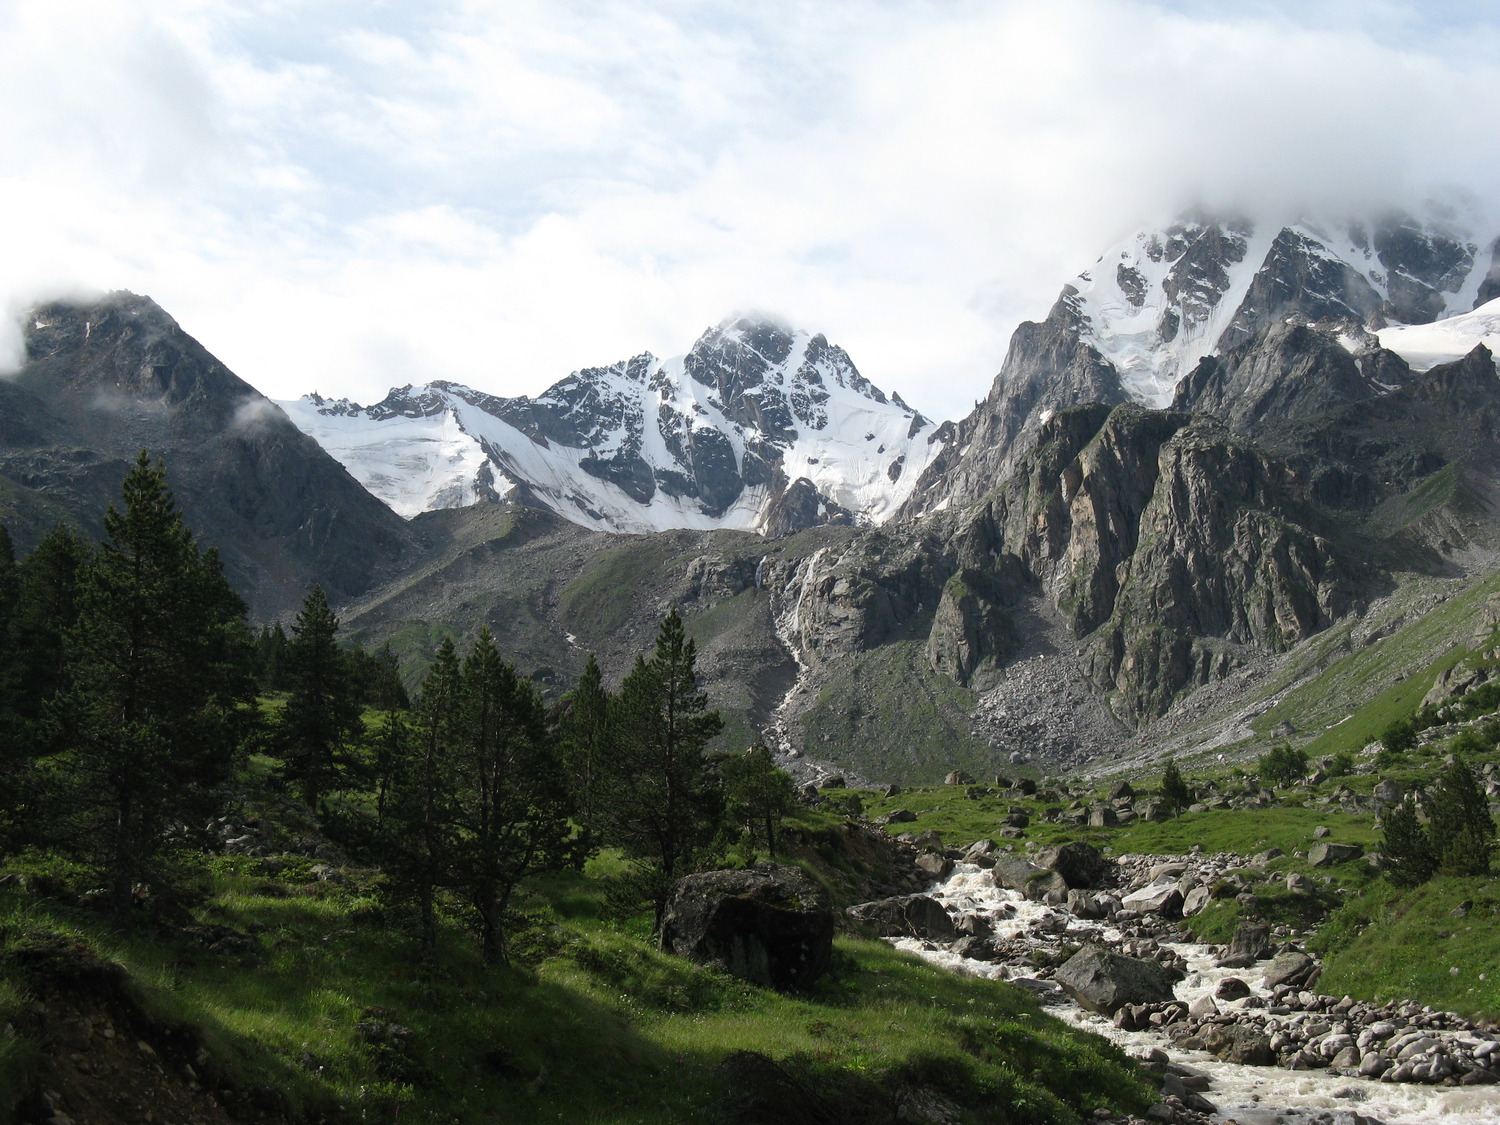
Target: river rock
(1162, 899)
(915, 916)
(1082, 865)
(934, 865)
(1104, 981)
(1237, 1043)
(1195, 900)
(1250, 940)
(1013, 873)
(1232, 988)
(771, 925)
(1290, 968)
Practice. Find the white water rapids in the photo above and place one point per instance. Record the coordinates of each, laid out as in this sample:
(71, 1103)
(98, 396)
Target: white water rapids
(1246, 1095)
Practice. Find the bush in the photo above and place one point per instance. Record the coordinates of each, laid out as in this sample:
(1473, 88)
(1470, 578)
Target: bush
(1399, 737)
(1459, 837)
(1281, 766)
(1460, 828)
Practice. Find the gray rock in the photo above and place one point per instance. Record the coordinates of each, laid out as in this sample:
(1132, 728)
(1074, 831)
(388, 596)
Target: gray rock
(1163, 899)
(917, 916)
(1104, 981)
(1324, 854)
(1250, 940)
(1240, 1043)
(771, 925)
(1290, 967)
(1195, 900)
(1013, 873)
(1081, 865)
(934, 865)
(1231, 988)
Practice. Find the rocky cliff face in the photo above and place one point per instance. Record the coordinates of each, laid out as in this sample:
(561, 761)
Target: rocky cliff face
(1137, 325)
(104, 379)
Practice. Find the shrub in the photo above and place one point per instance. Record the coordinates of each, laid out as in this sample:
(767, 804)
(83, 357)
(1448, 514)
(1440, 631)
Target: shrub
(1460, 828)
(1281, 766)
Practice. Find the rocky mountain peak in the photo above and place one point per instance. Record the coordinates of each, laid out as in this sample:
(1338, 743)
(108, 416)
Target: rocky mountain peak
(759, 426)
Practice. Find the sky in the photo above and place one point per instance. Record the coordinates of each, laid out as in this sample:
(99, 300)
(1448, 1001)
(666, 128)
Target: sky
(350, 195)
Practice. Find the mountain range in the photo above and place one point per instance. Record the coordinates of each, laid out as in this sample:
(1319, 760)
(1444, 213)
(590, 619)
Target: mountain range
(758, 427)
(1234, 462)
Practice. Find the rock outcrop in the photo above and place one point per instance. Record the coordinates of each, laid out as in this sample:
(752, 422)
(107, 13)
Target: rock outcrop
(771, 926)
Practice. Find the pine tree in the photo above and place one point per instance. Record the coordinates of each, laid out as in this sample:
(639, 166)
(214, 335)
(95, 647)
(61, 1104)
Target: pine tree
(321, 722)
(159, 660)
(759, 794)
(34, 673)
(1406, 854)
(665, 803)
(1174, 790)
(510, 801)
(417, 827)
(1460, 828)
(587, 735)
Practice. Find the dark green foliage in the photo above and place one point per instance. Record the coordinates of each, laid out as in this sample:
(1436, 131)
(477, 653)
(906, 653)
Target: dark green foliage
(665, 804)
(510, 803)
(1174, 790)
(1399, 737)
(1460, 827)
(1281, 766)
(587, 733)
(416, 790)
(759, 794)
(1406, 856)
(321, 722)
(270, 659)
(1341, 764)
(1458, 839)
(158, 662)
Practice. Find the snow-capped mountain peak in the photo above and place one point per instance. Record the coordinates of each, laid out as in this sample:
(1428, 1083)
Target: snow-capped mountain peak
(1161, 300)
(757, 427)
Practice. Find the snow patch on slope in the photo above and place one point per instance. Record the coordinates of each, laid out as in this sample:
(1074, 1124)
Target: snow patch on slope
(1424, 346)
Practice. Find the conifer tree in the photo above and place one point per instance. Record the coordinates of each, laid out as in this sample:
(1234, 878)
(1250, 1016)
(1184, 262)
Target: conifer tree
(317, 729)
(33, 673)
(158, 661)
(1460, 828)
(587, 735)
(665, 802)
(510, 799)
(759, 793)
(1406, 855)
(1174, 790)
(418, 769)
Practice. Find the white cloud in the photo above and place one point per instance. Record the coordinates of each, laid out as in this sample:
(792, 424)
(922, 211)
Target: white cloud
(345, 196)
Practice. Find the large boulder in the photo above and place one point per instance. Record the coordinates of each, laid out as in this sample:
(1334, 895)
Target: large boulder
(1163, 899)
(1291, 968)
(1081, 865)
(771, 925)
(1014, 873)
(1238, 1043)
(916, 916)
(1104, 981)
(1250, 940)
(1325, 854)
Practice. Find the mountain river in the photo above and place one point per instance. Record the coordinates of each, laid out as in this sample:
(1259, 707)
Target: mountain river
(1247, 1095)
